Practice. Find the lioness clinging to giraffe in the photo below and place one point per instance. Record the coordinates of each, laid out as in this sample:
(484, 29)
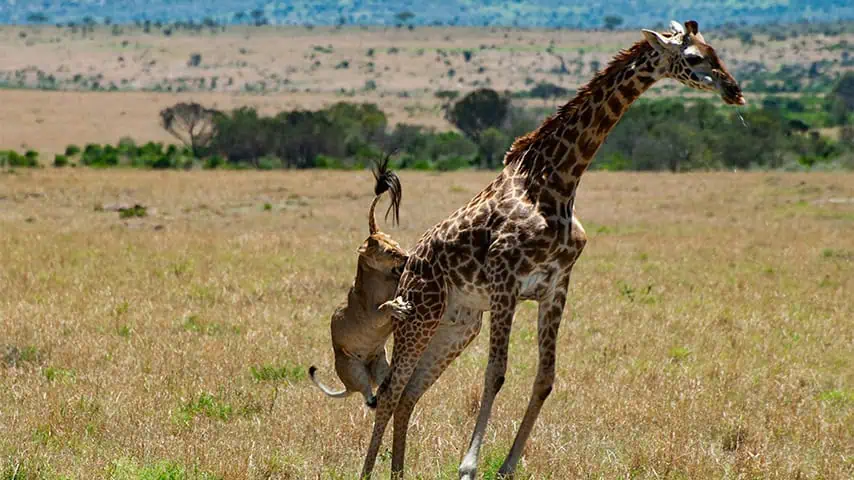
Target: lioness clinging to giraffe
(359, 329)
(518, 239)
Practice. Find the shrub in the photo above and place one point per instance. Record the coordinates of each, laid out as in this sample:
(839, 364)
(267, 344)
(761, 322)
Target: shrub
(12, 158)
(72, 150)
(60, 160)
(214, 161)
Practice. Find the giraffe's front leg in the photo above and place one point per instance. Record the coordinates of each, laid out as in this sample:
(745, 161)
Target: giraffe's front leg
(459, 327)
(550, 313)
(501, 320)
(412, 334)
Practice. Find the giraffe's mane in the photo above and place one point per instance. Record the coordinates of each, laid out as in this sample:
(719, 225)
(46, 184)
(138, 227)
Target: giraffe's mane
(516, 154)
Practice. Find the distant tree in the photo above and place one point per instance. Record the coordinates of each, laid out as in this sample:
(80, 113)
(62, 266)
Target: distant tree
(479, 110)
(258, 17)
(612, 21)
(447, 95)
(194, 125)
(546, 90)
(37, 17)
(195, 60)
(841, 98)
(404, 16)
(492, 143)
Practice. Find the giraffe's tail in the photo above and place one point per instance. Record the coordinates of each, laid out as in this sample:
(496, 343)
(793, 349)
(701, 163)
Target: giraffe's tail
(386, 181)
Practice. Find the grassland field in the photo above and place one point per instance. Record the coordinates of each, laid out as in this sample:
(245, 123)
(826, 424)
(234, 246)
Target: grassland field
(709, 331)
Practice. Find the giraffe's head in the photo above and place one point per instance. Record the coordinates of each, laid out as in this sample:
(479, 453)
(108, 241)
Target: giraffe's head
(693, 62)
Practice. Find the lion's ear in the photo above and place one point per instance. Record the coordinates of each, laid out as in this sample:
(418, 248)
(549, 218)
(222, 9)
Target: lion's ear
(363, 249)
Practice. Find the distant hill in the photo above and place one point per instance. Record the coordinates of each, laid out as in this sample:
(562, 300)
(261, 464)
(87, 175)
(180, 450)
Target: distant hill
(543, 13)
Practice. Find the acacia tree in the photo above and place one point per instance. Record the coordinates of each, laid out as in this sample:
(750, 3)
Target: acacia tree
(194, 125)
(479, 110)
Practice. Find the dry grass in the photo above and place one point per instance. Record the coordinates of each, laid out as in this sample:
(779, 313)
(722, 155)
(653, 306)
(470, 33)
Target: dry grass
(709, 331)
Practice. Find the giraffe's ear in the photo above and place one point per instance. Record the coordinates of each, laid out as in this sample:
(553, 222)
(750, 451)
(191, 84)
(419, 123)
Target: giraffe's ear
(657, 40)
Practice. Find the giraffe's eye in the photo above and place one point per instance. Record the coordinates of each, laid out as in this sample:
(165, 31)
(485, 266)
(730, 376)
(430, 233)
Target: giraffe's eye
(694, 60)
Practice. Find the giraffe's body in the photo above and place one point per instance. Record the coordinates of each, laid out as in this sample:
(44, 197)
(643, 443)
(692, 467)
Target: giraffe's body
(518, 239)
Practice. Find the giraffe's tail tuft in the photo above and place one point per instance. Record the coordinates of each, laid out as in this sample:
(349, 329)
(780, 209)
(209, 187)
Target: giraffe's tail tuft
(386, 181)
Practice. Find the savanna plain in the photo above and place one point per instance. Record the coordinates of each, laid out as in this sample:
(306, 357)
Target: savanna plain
(709, 329)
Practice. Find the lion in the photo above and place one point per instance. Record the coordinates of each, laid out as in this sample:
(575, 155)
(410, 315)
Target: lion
(359, 328)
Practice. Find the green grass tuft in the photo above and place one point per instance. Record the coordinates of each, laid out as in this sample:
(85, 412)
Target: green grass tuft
(284, 373)
(56, 373)
(129, 469)
(207, 405)
(839, 397)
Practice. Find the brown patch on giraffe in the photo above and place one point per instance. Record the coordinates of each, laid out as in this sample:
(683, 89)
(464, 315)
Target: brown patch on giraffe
(598, 95)
(612, 81)
(585, 117)
(646, 80)
(560, 150)
(578, 169)
(587, 146)
(615, 105)
(628, 91)
(605, 124)
(468, 270)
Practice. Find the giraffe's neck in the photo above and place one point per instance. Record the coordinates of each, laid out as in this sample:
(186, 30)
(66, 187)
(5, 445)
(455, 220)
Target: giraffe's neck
(566, 143)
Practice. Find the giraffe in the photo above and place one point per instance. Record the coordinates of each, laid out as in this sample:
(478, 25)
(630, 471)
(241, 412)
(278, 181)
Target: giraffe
(518, 239)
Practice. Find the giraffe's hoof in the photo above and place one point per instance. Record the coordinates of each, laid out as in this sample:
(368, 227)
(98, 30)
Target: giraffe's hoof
(371, 402)
(468, 473)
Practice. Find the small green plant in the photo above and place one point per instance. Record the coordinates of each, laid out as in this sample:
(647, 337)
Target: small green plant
(12, 356)
(207, 405)
(268, 207)
(133, 212)
(56, 373)
(130, 469)
(837, 253)
(678, 354)
(632, 294)
(60, 160)
(43, 435)
(285, 373)
(839, 397)
(18, 470)
(192, 323)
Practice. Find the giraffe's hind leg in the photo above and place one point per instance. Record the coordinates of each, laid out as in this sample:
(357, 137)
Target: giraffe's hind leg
(500, 321)
(459, 327)
(550, 313)
(412, 332)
